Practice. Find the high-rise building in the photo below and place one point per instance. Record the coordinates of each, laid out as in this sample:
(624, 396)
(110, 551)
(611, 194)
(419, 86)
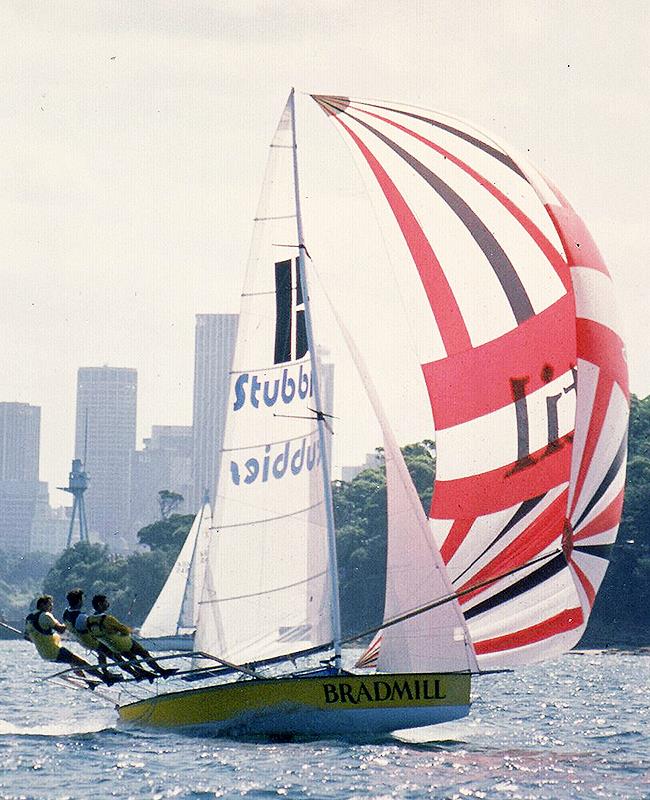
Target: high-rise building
(20, 430)
(214, 347)
(105, 442)
(165, 462)
(50, 526)
(373, 461)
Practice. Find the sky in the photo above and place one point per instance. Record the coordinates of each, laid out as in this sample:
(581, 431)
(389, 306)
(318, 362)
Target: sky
(134, 138)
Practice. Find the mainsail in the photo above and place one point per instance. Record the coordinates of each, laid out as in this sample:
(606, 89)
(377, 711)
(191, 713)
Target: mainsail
(269, 589)
(523, 362)
(176, 608)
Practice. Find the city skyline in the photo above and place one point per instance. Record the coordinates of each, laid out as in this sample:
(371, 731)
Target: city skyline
(135, 145)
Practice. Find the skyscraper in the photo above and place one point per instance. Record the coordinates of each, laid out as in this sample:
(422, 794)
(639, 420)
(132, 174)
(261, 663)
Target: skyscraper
(165, 462)
(214, 347)
(105, 441)
(20, 430)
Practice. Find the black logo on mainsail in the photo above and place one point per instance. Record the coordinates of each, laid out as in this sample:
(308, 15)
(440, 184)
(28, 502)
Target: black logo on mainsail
(290, 327)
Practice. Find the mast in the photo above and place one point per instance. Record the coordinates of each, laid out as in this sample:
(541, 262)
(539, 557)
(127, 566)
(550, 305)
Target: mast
(327, 487)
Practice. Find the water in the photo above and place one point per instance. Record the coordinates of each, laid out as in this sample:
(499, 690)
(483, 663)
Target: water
(577, 727)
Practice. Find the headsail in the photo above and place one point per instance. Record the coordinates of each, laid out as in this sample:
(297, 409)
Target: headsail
(523, 363)
(437, 639)
(176, 608)
(268, 587)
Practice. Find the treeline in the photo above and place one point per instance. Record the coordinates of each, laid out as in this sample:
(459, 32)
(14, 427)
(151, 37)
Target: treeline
(620, 613)
(133, 582)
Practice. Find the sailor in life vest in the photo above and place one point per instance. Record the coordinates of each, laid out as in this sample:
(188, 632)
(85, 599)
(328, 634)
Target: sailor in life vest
(117, 636)
(43, 629)
(76, 623)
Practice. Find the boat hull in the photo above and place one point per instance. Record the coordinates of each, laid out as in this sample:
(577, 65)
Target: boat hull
(309, 705)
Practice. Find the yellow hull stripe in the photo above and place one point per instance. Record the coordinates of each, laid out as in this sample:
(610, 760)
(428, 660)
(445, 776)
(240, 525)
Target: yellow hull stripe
(225, 703)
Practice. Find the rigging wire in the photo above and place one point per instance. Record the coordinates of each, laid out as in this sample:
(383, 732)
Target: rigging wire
(440, 601)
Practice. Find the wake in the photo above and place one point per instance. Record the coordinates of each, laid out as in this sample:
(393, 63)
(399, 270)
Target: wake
(61, 728)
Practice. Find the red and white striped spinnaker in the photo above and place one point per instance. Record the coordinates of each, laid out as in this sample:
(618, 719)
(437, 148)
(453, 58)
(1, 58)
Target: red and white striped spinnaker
(523, 362)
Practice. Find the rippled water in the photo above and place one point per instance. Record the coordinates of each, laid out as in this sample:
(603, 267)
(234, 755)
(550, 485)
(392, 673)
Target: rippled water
(577, 727)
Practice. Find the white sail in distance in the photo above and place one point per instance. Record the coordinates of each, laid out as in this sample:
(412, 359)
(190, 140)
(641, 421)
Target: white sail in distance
(176, 608)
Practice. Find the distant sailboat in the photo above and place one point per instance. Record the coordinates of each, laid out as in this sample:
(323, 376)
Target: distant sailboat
(171, 623)
(523, 369)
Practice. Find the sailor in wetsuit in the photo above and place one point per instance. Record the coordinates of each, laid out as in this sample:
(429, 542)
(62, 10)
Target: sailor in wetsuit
(117, 636)
(76, 622)
(43, 629)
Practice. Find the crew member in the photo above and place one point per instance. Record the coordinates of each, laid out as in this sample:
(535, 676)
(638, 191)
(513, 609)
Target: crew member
(76, 623)
(117, 636)
(43, 629)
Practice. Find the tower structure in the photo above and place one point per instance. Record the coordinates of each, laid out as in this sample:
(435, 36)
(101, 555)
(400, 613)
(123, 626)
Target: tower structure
(106, 430)
(214, 348)
(77, 485)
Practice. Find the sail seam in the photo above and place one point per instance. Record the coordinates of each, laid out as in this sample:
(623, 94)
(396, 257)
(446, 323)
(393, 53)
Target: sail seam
(266, 519)
(270, 444)
(268, 591)
(283, 365)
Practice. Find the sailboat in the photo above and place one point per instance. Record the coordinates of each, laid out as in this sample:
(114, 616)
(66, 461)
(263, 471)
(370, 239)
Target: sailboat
(522, 370)
(171, 622)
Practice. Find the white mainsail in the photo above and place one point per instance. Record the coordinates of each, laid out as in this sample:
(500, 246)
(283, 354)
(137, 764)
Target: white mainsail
(176, 608)
(268, 588)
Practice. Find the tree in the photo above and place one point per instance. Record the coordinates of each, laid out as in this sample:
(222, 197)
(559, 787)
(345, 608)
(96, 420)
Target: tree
(360, 517)
(166, 534)
(132, 583)
(21, 578)
(168, 501)
(92, 568)
(620, 613)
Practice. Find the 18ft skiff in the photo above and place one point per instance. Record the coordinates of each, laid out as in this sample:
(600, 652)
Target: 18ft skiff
(507, 306)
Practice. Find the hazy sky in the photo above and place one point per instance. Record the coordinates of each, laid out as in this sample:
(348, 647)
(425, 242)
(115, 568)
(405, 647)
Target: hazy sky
(134, 137)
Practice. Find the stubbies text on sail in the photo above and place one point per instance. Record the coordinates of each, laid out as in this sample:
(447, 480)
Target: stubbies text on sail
(277, 461)
(252, 389)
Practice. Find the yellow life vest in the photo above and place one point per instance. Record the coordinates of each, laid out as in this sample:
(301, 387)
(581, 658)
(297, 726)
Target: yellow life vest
(47, 641)
(83, 637)
(111, 632)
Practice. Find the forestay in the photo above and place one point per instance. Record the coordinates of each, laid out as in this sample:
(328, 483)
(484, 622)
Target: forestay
(268, 589)
(523, 363)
